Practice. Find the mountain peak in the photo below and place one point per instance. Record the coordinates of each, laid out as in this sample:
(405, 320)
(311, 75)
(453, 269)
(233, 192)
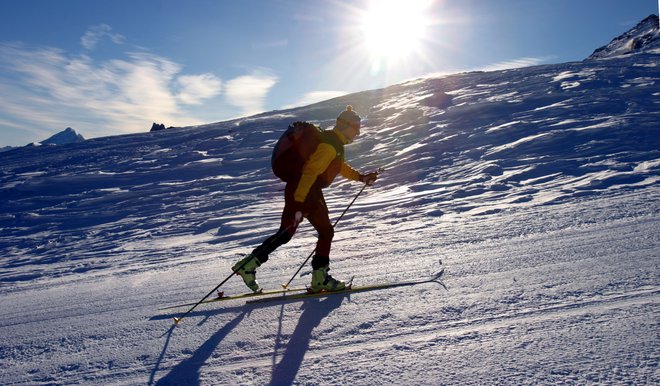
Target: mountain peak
(641, 38)
(65, 136)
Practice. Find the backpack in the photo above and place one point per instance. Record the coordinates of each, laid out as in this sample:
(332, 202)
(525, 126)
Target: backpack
(293, 149)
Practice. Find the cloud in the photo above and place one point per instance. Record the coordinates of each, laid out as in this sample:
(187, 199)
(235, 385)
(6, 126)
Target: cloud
(249, 92)
(315, 96)
(95, 33)
(44, 87)
(196, 88)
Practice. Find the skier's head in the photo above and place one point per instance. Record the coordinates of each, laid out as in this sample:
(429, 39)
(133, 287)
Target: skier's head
(348, 122)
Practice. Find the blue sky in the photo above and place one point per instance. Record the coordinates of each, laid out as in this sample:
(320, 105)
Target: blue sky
(110, 67)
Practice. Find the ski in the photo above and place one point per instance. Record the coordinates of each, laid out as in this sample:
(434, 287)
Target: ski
(222, 297)
(350, 289)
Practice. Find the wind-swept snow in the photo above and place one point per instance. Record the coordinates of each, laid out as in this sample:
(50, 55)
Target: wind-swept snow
(537, 189)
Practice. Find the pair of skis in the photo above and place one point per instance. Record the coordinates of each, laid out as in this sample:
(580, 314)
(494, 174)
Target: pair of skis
(299, 293)
(304, 292)
(350, 288)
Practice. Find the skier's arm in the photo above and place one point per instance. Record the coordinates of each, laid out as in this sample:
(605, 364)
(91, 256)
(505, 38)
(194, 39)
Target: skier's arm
(348, 172)
(316, 165)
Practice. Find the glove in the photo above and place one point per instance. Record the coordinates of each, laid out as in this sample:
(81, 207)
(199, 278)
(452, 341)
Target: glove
(298, 217)
(370, 178)
(299, 210)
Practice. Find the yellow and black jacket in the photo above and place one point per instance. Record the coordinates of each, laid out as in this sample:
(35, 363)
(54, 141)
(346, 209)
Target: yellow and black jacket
(324, 164)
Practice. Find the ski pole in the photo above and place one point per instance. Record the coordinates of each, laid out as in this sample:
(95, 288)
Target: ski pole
(177, 320)
(285, 286)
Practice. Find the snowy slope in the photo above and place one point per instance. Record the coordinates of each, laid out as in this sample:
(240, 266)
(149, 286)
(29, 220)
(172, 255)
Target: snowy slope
(644, 37)
(537, 188)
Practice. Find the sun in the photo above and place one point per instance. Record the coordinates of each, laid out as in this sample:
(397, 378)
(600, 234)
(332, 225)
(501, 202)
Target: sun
(394, 29)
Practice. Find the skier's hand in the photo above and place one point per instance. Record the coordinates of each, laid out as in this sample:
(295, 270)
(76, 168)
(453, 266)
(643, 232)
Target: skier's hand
(299, 210)
(370, 178)
(298, 217)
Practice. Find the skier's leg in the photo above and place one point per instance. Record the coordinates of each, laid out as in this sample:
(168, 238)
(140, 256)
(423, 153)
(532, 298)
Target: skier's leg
(288, 227)
(320, 221)
(319, 218)
(247, 266)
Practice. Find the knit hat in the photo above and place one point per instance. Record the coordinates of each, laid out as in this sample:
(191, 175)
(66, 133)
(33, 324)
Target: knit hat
(348, 118)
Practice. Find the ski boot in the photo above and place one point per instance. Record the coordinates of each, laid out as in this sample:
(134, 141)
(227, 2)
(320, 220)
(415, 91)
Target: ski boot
(322, 281)
(248, 271)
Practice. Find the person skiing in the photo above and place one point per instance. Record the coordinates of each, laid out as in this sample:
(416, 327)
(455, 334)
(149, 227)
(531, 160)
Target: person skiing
(303, 198)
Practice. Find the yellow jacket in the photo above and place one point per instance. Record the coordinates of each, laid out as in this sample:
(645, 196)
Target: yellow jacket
(323, 161)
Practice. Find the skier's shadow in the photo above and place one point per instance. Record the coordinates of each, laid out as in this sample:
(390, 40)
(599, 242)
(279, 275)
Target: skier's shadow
(187, 372)
(284, 372)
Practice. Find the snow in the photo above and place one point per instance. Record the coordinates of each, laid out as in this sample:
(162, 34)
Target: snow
(540, 200)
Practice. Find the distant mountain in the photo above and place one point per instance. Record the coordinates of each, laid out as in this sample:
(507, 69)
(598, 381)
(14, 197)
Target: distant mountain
(643, 37)
(66, 136)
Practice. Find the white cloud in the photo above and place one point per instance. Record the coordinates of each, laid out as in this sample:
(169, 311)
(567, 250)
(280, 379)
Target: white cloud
(249, 92)
(315, 96)
(95, 33)
(196, 88)
(47, 88)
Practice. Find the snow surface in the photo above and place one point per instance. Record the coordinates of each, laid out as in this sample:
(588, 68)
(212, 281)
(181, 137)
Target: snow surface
(537, 189)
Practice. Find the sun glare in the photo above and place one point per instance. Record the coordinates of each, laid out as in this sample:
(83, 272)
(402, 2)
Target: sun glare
(394, 29)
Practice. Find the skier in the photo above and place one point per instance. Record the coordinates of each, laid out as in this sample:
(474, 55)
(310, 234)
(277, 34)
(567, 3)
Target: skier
(303, 198)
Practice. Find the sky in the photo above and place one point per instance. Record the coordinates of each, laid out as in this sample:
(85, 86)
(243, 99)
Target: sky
(112, 67)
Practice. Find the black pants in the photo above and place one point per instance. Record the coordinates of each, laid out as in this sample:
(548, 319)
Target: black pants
(316, 211)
